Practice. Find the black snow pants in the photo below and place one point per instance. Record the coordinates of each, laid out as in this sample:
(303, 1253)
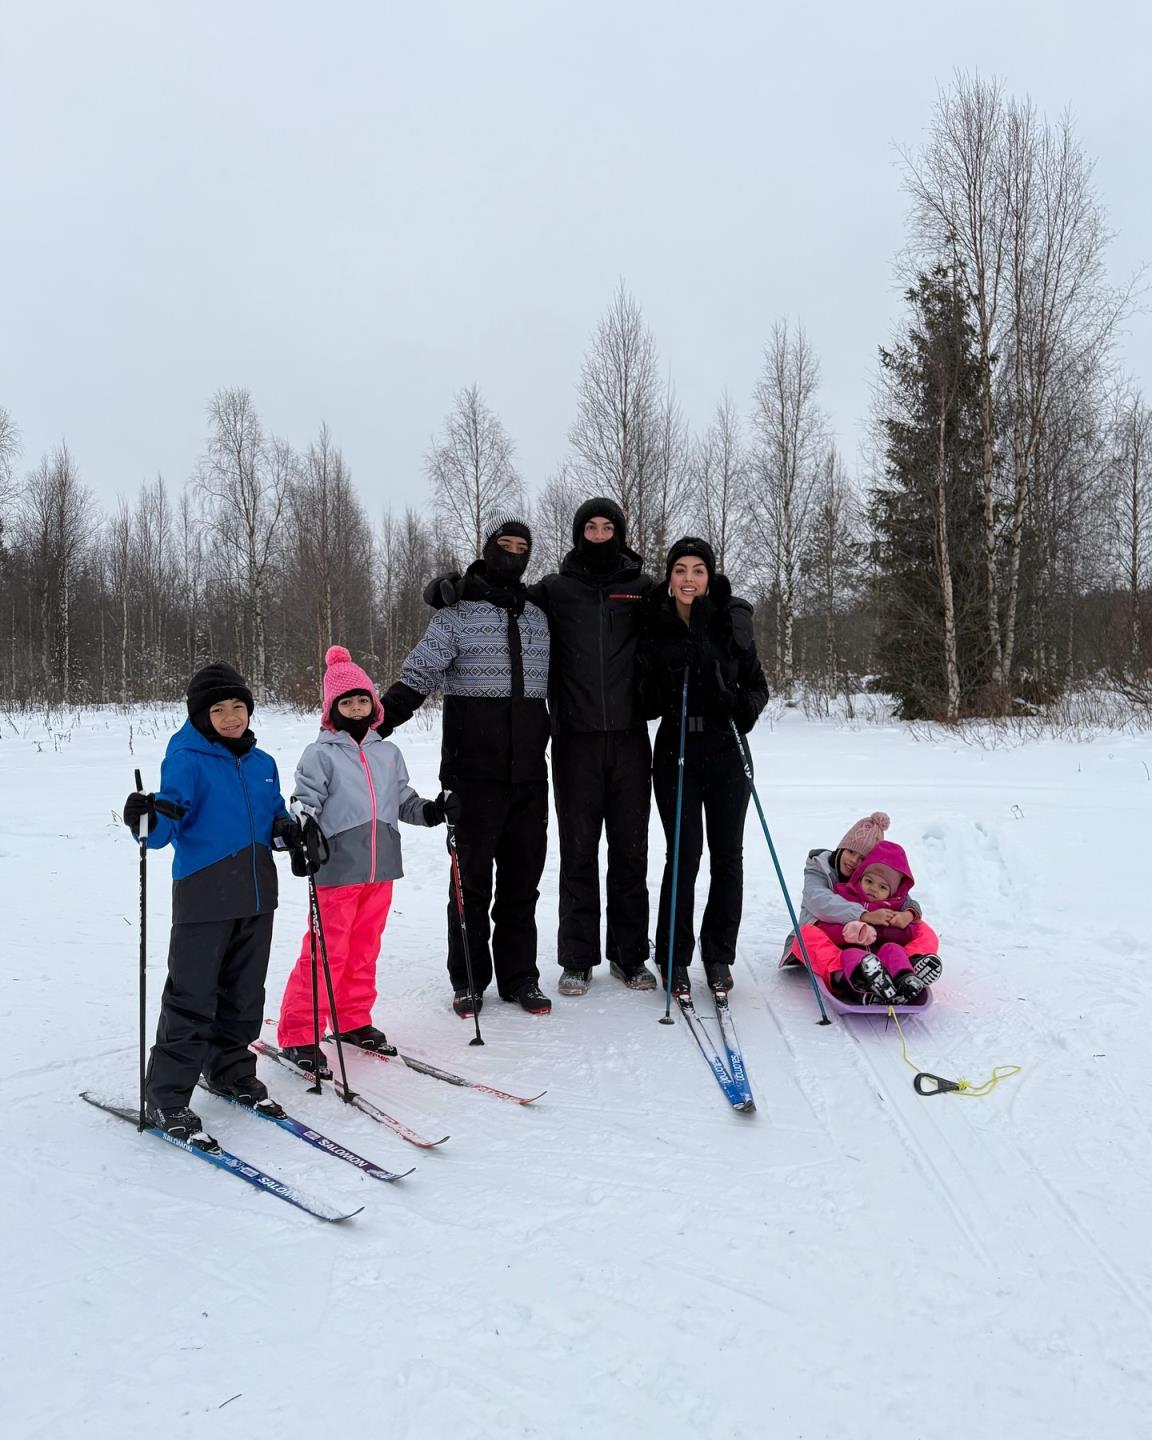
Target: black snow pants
(715, 801)
(603, 783)
(212, 1007)
(503, 826)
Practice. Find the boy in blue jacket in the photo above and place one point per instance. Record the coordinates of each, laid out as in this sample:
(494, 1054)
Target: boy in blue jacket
(219, 806)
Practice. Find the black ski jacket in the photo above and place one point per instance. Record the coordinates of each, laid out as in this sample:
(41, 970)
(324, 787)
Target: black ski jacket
(718, 647)
(595, 622)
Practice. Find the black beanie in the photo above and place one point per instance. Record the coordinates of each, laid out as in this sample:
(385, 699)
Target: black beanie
(215, 683)
(601, 506)
(691, 545)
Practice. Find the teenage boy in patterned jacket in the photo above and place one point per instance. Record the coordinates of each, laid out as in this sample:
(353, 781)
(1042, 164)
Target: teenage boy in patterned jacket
(488, 654)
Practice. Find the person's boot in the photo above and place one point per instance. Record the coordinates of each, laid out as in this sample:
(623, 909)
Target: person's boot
(466, 1004)
(574, 982)
(530, 997)
(367, 1037)
(309, 1059)
(247, 1090)
(909, 987)
(928, 967)
(182, 1123)
(636, 977)
(870, 978)
(681, 985)
(719, 975)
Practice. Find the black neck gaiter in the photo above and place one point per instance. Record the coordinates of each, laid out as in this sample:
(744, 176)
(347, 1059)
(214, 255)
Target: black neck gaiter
(601, 556)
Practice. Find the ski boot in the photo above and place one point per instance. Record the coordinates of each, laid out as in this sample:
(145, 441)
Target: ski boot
(909, 987)
(466, 1004)
(870, 978)
(182, 1124)
(719, 975)
(574, 982)
(928, 967)
(367, 1037)
(530, 997)
(681, 985)
(309, 1059)
(636, 977)
(249, 1091)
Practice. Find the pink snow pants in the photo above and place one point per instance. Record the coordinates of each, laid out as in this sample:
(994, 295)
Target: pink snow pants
(353, 917)
(826, 956)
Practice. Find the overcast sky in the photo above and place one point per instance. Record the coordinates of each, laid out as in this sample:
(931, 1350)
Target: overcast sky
(355, 209)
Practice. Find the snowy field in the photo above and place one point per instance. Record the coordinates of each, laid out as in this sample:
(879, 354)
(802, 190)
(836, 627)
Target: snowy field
(628, 1258)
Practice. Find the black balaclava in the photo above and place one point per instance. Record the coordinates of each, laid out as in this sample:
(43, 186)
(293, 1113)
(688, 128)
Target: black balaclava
(356, 728)
(208, 687)
(600, 556)
(501, 567)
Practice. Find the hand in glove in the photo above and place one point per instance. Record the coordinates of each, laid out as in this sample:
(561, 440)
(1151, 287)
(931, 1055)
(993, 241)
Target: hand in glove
(286, 829)
(858, 932)
(311, 851)
(446, 807)
(138, 805)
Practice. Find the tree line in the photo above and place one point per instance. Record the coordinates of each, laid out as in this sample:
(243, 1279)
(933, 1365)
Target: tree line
(992, 549)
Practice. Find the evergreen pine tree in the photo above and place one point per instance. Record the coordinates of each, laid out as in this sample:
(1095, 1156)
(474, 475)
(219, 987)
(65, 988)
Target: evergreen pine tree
(931, 635)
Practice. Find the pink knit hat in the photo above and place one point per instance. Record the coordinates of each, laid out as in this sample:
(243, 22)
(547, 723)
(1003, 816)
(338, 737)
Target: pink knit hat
(866, 834)
(342, 675)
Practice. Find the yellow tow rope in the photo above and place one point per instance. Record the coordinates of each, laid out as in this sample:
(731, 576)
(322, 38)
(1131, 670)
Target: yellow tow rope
(926, 1083)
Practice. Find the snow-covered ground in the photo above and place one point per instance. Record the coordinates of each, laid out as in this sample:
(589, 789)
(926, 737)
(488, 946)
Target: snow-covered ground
(628, 1257)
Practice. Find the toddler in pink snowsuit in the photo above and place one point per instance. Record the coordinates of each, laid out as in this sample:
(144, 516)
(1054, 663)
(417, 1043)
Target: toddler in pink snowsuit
(353, 786)
(874, 957)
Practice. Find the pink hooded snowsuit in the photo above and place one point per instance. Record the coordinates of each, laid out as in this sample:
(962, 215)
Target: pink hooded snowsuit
(829, 951)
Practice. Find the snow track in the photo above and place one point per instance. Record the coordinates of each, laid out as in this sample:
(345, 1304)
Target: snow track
(627, 1258)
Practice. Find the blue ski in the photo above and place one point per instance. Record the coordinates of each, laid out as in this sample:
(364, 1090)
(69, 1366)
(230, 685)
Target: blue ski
(732, 1047)
(739, 1099)
(315, 1139)
(232, 1164)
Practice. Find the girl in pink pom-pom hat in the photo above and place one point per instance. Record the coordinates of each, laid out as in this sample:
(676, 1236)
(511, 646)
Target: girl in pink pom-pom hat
(352, 789)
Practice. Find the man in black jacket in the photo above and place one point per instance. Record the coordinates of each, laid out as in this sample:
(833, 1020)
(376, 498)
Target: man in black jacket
(601, 756)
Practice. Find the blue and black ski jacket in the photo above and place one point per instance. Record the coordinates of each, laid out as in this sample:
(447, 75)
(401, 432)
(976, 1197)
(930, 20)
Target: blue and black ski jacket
(223, 867)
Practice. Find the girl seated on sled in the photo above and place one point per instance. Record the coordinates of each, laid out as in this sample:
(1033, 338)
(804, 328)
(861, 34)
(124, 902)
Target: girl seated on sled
(832, 901)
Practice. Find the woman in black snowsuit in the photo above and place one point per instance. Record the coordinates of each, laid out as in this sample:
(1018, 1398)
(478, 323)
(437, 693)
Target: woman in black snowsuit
(697, 631)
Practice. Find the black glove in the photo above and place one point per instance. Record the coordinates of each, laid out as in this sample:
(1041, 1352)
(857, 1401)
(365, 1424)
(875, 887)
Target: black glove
(287, 829)
(138, 805)
(446, 807)
(311, 852)
(385, 728)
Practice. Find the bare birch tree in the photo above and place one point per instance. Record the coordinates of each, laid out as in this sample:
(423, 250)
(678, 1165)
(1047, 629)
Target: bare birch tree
(960, 219)
(790, 440)
(472, 472)
(615, 431)
(719, 475)
(244, 479)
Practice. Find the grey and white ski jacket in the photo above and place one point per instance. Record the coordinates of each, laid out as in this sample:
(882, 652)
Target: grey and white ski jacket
(357, 794)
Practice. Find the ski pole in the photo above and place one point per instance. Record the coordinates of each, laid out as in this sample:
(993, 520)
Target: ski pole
(316, 1087)
(747, 763)
(458, 889)
(143, 839)
(666, 1018)
(347, 1094)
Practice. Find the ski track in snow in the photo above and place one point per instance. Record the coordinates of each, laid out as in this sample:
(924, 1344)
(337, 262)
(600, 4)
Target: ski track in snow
(627, 1257)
